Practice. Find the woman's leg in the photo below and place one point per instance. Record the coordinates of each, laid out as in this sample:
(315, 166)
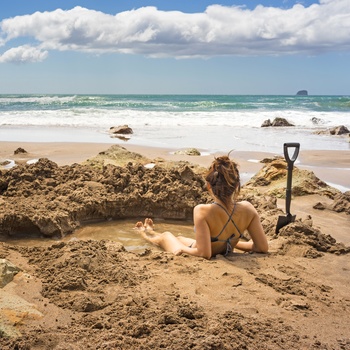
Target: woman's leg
(188, 242)
(165, 240)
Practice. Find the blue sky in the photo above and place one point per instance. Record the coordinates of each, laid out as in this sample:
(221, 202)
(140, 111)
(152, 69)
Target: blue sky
(182, 47)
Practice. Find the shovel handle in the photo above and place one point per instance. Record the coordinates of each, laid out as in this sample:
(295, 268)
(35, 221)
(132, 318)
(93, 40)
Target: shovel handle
(295, 154)
(290, 162)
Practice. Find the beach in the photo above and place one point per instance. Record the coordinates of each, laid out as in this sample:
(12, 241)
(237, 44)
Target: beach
(95, 294)
(332, 166)
(76, 275)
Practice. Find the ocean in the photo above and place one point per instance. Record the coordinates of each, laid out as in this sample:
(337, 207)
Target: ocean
(208, 122)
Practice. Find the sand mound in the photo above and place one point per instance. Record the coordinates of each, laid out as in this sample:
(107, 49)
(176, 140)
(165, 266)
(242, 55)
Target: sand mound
(44, 199)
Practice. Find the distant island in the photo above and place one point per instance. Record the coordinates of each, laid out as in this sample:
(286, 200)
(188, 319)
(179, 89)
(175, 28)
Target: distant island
(302, 93)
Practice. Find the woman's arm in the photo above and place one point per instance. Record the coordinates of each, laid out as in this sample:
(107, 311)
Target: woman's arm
(203, 245)
(259, 242)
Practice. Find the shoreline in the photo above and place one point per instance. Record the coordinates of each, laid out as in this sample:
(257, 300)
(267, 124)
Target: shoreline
(331, 166)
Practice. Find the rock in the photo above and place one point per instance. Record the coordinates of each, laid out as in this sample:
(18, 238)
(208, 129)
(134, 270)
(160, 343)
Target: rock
(302, 93)
(20, 151)
(7, 272)
(16, 312)
(273, 177)
(281, 122)
(277, 122)
(4, 162)
(316, 121)
(339, 130)
(341, 203)
(189, 152)
(121, 129)
(266, 123)
(116, 155)
(319, 206)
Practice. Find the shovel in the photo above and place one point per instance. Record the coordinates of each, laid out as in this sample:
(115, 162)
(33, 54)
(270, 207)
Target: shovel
(285, 220)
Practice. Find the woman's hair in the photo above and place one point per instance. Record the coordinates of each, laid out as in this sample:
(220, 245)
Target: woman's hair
(223, 177)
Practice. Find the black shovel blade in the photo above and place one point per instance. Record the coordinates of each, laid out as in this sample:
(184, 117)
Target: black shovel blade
(284, 221)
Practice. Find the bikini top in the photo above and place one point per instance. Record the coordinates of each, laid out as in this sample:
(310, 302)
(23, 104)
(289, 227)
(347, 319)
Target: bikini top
(217, 239)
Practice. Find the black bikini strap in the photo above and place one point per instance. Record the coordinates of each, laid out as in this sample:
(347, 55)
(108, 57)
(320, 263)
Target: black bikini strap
(228, 214)
(229, 218)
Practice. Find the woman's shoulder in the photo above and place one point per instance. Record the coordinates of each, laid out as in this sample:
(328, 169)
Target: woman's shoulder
(203, 208)
(246, 206)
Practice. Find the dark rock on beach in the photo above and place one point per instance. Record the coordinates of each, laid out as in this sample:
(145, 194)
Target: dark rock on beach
(121, 130)
(276, 122)
(337, 131)
(316, 121)
(20, 150)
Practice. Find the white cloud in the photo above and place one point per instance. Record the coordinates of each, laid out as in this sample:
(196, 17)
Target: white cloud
(220, 30)
(23, 54)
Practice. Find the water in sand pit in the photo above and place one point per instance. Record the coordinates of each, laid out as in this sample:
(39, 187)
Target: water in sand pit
(119, 231)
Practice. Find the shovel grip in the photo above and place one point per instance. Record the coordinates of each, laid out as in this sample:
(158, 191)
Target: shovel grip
(290, 162)
(288, 145)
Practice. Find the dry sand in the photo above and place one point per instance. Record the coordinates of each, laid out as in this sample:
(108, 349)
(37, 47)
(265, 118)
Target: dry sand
(95, 295)
(330, 166)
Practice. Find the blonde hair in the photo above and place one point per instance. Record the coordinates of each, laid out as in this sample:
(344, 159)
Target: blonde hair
(223, 177)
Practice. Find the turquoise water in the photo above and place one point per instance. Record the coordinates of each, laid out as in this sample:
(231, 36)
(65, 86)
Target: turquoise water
(209, 122)
(180, 103)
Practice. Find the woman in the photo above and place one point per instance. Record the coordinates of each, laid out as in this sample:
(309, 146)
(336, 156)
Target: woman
(219, 225)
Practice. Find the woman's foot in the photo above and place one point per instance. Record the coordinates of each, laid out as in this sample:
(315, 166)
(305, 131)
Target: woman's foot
(147, 232)
(149, 224)
(139, 226)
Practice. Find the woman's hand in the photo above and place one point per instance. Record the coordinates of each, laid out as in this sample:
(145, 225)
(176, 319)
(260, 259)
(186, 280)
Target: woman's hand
(178, 252)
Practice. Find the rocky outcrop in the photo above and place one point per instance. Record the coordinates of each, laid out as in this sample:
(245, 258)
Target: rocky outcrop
(43, 199)
(7, 272)
(340, 204)
(5, 162)
(276, 122)
(337, 130)
(115, 155)
(302, 93)
(121, 130)
(272, 179)
(189, 152)
(20, 150)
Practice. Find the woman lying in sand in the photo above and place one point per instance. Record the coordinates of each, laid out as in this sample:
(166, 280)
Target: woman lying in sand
(219, 225)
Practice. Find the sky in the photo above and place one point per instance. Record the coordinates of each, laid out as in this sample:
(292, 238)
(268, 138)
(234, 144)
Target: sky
(175, 47)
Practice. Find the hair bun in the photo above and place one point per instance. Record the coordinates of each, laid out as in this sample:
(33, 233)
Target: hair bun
(223, 160)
